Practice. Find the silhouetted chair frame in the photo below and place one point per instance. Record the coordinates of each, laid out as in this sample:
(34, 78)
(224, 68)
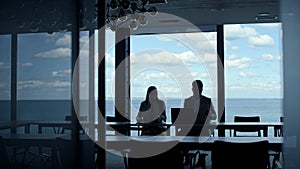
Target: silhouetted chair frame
(192, 154)
(4, 160)
(275, 154)
(172, 158)
(245, 155)
(250, 129)
(69, 118)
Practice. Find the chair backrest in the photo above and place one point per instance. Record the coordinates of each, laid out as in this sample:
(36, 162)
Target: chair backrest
(245, 155)
(138, 159)
(279, 130)
(174, 114)
(65, 151)
(80, 118)
(121, 129)
(247, 119)
(4, 160)
(183, 119)
(182, 116)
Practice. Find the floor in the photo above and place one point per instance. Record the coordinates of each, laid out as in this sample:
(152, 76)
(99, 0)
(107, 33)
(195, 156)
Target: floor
(113, 161)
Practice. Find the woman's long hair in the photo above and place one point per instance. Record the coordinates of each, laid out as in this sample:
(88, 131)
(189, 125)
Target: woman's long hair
(145, 105)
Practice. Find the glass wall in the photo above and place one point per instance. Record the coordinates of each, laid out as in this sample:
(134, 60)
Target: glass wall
(253, 71)
(171, 62)
(44, 76)
(110, 72)
(5, 77)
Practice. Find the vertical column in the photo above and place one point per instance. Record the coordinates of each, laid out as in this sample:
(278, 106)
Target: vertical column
(122, 74)
(75, 88)
(91, 110)
(220, 72)
(290, 14)
(101, 154)
(14, 63)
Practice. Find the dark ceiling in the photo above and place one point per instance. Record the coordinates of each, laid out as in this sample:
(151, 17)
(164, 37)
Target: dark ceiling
(32, 16)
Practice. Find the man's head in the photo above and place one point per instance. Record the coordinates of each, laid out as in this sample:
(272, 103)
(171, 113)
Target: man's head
(197, 87)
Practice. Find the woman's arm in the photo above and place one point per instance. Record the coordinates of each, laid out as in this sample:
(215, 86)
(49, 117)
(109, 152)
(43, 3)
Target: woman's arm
(163, 115)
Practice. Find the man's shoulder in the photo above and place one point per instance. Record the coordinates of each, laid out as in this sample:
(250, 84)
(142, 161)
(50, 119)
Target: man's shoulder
(188, 99)
(205, 98)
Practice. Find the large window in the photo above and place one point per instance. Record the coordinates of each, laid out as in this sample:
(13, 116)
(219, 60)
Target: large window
(5, 77)
(44, 76)
(253, 71)
(110, 72)
(171, 62)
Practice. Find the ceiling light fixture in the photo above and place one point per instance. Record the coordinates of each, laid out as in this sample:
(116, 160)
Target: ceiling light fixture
(265, 16)
(121, 11)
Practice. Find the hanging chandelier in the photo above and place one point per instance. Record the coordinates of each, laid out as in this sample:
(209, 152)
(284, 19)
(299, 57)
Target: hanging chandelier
(131, 12)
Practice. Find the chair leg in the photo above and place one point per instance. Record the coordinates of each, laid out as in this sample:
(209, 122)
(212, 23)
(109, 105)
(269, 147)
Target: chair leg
(125, 157)
(276, 158)
(192, 161)
(201, 160)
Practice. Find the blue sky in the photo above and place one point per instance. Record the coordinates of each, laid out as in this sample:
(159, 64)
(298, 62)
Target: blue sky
(253, 63)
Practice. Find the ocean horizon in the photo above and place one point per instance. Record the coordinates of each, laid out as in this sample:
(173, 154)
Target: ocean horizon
(269, 110)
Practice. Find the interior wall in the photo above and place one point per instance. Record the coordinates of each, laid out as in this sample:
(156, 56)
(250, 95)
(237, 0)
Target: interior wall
(290, 11)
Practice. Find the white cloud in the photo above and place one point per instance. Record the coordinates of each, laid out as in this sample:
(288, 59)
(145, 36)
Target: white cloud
(165, 38)
(236, 32)
(27, 64)
(266, 86)
(261, 41)
(58, 84)
(239, 63)
(270, 57)
(3, 85)
(84, 40)
(109, 60)
(172, 59)
(4, 66)
(246, 74)
(38, 83)
(199, 75)
(64, 41)
(235, 48)
(167, 90)
(209, 58)
(198, 41)
(232, 56)
(188, 57)
(270, 25)
(55, 53)
(160, 75)
(161, 57)
(62, 73)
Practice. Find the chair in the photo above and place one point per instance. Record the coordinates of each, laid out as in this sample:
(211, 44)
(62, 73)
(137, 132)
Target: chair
(254, 130)
(186, 120)
(247, 130)
(111, 130)
(275, 154)
(245, 155)
(278, 131)
(69, 118)
(64, 150)
(4, 160)
(123, 130)
(137, 158)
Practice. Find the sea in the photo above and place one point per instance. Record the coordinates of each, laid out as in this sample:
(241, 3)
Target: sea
(269, 110)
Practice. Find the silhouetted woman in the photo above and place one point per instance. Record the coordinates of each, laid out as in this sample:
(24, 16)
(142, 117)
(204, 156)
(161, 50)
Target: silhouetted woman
(152, 113)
